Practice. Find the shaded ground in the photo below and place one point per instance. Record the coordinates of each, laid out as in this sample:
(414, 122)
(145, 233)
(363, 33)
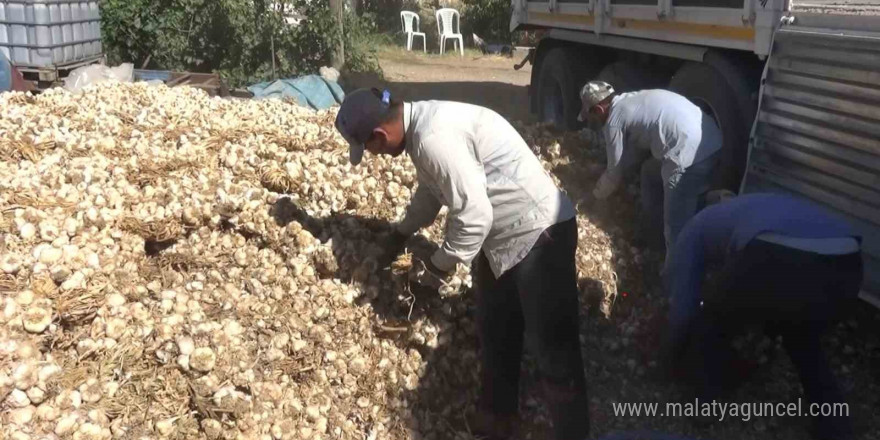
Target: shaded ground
(487, 80)
(619, 351)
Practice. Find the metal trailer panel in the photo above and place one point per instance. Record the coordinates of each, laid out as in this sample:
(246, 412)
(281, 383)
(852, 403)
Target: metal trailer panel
(817, 134)
(748, 27)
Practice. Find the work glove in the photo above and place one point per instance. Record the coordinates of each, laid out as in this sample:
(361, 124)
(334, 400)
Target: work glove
(605, 186)
(425, 273)
(393, 248)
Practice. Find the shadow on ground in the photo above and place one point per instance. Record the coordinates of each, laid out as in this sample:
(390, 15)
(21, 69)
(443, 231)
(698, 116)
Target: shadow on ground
(447, 390)
(509, 100)
(449, 381)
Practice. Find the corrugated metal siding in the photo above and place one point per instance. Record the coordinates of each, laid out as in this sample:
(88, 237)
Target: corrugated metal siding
(818, 129)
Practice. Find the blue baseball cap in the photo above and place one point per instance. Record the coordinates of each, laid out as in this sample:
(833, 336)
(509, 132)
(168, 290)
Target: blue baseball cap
(361, 112)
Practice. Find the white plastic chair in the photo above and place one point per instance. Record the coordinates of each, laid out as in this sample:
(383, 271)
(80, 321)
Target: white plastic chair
(446, 19)
(407, 18)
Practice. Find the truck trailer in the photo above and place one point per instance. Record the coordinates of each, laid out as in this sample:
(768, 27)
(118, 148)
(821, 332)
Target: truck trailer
(794, 88)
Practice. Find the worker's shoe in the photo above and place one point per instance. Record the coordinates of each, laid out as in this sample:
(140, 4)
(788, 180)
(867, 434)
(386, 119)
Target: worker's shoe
(569, 410)
(485, 425)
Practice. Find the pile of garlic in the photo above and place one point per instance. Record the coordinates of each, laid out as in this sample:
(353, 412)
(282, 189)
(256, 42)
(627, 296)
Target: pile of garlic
(179, 266)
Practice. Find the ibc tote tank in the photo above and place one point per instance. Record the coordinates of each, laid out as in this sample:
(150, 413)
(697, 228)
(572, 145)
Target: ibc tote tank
(40, 33)
(78, 35)
(55, 17)
(4, 33)
(14, 22)
(95, 16)
(49, 33)
(66, 30)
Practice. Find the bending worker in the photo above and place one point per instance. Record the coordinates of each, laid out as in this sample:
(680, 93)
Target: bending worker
(509, 218)
(787, 266)
(684, 141)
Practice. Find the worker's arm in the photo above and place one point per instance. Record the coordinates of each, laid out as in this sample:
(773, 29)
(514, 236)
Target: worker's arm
(613, 174)
(462, 181)
(421, 212)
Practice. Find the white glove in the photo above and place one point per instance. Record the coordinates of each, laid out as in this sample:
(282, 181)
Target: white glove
(605, 186)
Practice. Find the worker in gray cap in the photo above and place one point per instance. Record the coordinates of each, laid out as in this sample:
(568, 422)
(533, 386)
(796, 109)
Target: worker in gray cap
(506, 215)
(684, 141)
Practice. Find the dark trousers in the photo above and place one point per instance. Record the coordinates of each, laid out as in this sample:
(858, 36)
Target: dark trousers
(791, 293)
(538, 298)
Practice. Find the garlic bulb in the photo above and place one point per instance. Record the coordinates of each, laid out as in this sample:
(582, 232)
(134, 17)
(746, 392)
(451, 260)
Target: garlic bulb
(212, 263)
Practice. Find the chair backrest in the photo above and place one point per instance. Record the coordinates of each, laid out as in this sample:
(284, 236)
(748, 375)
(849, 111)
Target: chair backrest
(407, 18)
(446, 21)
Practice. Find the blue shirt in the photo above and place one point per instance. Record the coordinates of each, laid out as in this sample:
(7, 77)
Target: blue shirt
(720, 230)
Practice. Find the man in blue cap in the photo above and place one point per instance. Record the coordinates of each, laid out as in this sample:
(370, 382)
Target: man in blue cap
(787, 265)
(508, 217)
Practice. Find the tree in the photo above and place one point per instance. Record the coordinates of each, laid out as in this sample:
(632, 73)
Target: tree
(337, 9)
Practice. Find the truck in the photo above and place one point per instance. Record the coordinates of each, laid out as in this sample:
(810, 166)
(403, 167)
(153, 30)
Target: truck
(795, 88)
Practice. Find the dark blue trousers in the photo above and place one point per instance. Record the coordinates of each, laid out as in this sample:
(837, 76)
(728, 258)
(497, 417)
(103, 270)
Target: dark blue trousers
(536, 299)
(790, 293)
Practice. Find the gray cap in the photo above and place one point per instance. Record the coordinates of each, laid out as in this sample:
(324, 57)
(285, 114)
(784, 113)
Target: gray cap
(361, 112)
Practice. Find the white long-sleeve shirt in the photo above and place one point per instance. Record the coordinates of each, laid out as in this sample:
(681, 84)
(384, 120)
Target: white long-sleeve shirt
(473, 161)
(667, 124)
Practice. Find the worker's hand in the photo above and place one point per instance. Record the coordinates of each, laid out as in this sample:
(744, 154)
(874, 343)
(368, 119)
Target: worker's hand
(435, 271)
(605, 186)
(425, 273)
(393, 248)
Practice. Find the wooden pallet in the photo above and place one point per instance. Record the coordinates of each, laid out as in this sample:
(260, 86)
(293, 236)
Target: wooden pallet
(211, 83)
(50, 76)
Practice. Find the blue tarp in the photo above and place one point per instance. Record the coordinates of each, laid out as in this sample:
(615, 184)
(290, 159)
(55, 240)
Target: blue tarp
(309, 91)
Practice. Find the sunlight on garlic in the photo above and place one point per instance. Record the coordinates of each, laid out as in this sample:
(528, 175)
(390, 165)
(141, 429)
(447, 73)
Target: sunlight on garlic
(179, 266)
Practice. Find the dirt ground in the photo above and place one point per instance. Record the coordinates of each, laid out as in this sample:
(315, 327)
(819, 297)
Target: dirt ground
(487, 80)
(619, 352)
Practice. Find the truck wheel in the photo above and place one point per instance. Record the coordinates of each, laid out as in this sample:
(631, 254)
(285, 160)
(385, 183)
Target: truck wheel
(708, 89)
(563, 73)
(624, 77)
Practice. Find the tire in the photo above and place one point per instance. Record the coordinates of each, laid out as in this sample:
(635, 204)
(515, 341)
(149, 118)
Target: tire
(624, 77)
(708, 89)
(562, 75)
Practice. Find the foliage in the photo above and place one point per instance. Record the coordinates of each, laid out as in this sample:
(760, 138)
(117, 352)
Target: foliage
(490, 19)
(233, 37)
(387, 12)
(314, 41)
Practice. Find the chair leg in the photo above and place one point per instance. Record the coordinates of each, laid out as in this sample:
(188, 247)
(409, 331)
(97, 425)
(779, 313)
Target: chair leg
(442, 44)
(461, 45)
(424, 44)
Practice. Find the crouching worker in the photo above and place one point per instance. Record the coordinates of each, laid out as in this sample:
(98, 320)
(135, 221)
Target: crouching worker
(507, 216)
(684, 143)
(787, 266)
